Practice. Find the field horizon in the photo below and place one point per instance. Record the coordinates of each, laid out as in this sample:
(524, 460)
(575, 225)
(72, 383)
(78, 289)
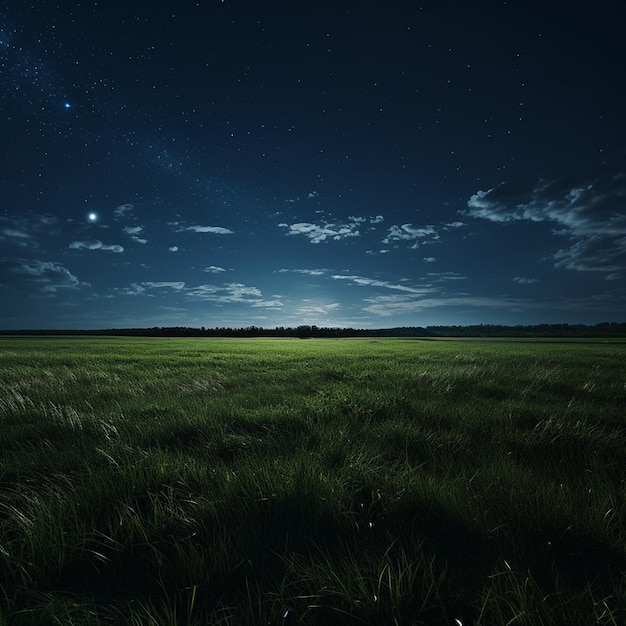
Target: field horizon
(543, 330)
(348, 481)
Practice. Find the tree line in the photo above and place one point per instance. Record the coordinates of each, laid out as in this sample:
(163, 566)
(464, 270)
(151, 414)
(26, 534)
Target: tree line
(604, 329)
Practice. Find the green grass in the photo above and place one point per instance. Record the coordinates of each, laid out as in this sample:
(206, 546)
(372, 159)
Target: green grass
(270, 481)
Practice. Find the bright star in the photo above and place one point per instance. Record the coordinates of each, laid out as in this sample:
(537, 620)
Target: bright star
(67, 105)
(92, 217)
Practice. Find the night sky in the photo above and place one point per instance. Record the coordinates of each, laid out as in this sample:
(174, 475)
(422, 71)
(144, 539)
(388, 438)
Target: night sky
(337, 163)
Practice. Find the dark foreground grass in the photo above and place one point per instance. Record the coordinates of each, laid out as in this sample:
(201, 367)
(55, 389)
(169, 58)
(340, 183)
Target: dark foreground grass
(195, 481)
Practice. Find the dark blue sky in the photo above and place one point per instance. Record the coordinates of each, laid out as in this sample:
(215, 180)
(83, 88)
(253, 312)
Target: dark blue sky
(365, 164)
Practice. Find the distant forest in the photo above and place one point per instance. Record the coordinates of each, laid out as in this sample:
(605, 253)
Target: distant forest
(605, 329)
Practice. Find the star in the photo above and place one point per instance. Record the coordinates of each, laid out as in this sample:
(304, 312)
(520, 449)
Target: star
(92, 217)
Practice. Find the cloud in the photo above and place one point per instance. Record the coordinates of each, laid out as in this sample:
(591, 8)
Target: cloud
(408, 232)
(597, 253)
(19, 237)
(133, 231)
(589, 208)
(268, 304)
(121, 210)
(386, 306)
(317, 233)
(94, 244)
(238, 290)
(228, 293)
(49, 275)
(176, 285)
(173, 249)
(365, 220)
(311, 195)
(26, 230)
(308, 272)
(405, 304)
(317, 309)
(335, 230)
(439, 276)
(133, 290)
(372, 282)
(429, 259)
(522, 280)
(139, 289)
(214, 269)
(232, 293)
(216, 230)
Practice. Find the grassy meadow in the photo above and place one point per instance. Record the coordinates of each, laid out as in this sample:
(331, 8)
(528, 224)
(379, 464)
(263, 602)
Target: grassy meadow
(285, 481)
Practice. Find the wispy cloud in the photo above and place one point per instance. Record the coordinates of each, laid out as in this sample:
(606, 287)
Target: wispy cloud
(312, 309)
(588, 208)
(387, 306)
(331, 229)
(267, 304)
(19, 237)
(408, 232)
(316, 233)
(523, 280)
(311, 195)
(214, 269)
(133, 231)
(441, 276)
(595, 253)
(163, 284)
(405, 304)
(377, 219)
(94, 244)
(216, 230)
(146, 288)
(301, 271)
(229, 293)
(48, 275)
(233, 293)
(26, 230)
(134, 290)
(122, 210)
(373, 282)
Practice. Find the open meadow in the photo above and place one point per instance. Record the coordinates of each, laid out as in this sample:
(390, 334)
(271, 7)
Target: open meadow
(204, 481)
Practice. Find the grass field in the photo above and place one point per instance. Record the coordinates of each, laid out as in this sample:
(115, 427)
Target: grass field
(269, 481)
